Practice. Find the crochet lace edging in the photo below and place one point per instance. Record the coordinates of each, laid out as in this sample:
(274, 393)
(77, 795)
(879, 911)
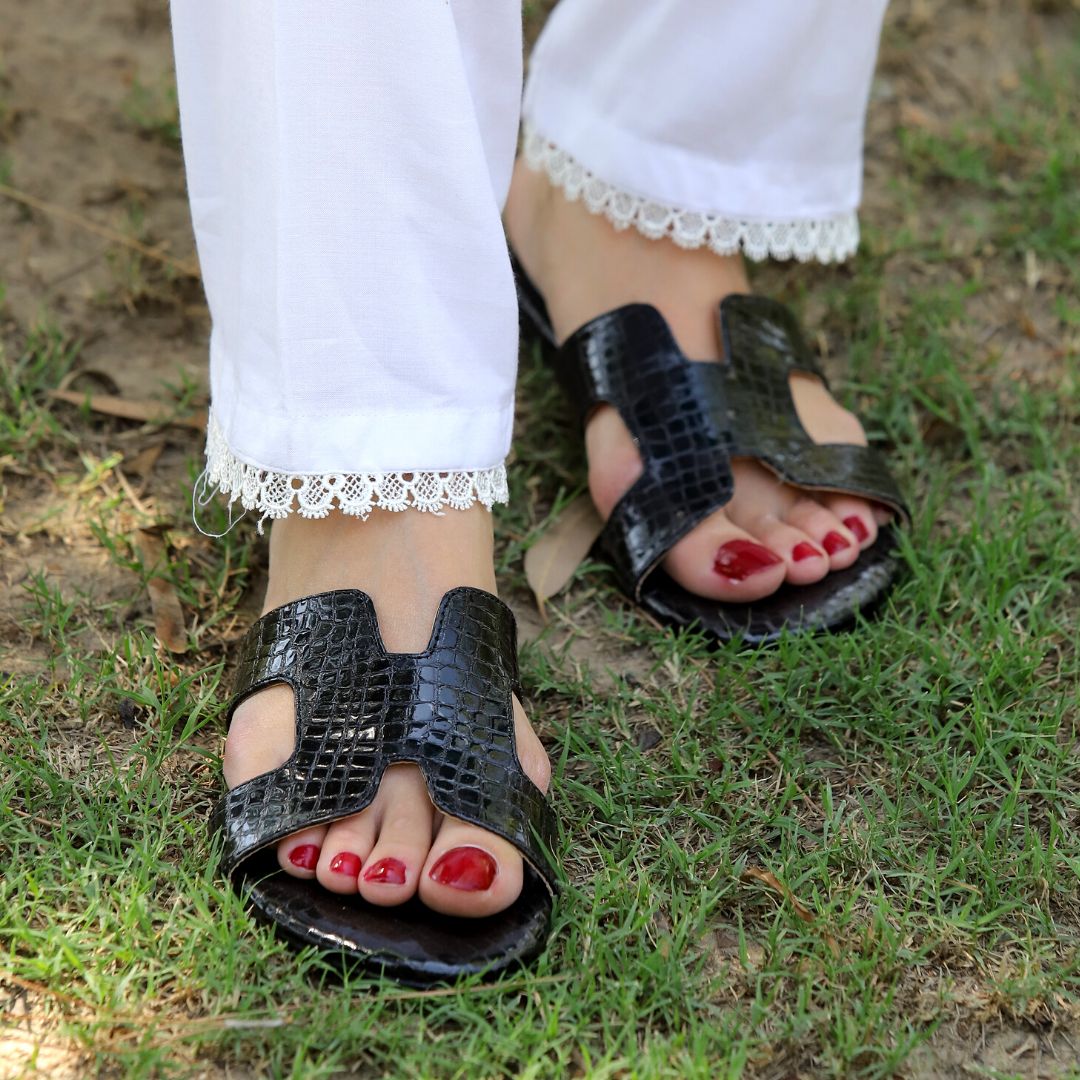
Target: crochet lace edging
(824, 240)
(313, 495)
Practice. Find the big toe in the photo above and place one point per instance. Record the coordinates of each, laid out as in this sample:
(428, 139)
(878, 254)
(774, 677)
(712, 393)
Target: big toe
(720, 561)
(470, 872)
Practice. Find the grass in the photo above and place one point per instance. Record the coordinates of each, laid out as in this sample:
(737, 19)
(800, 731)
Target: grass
(912, 787)
(1025, 160)
(154, 111)
(41, 359)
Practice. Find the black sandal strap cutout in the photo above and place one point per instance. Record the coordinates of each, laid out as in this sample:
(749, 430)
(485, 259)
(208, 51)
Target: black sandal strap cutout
(628, 359)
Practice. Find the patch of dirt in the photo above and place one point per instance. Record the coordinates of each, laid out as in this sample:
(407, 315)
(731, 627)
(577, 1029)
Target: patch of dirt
(72, 142)
(77, 134)
(959, 1052)
(25, 1053)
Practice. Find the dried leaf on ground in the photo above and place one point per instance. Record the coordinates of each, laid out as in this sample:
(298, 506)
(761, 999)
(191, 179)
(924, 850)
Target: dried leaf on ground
(165, 604)
(104, 380)
(772, 882)
(142, 464)
(145, 412)
(550, 563)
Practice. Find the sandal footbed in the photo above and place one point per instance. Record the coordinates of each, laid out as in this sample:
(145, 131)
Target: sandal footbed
(409, 942)
(831, 604)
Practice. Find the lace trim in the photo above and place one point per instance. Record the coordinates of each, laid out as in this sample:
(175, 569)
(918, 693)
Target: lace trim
(313, 495)
(825, 240)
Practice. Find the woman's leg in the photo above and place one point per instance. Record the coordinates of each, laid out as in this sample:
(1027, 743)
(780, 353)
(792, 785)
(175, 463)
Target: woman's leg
(346, 172)
(658, 148)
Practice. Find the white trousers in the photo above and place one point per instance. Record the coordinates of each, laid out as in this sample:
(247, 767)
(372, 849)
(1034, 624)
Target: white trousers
(347, 163)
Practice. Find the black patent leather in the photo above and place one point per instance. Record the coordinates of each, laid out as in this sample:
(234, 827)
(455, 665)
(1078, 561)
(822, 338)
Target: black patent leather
(411, 943)
(689, 419)
(360, 709)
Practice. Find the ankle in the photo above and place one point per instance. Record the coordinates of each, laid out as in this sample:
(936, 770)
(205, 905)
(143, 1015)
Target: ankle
(584, 266)
(406, 562)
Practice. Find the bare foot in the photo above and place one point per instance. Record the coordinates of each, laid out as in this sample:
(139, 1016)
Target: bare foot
(400, 845)
(769, 532)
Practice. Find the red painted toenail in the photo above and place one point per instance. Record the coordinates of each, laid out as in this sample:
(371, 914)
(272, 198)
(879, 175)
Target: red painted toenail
(346, 863)
(465, 868)
(834, 542)
(386, 872)
(306, 856)
(804, 550)
(738, 559)
(857, 527)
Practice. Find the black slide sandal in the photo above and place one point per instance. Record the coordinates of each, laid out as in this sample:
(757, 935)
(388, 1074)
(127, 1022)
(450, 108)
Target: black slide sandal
(359, 709)
(688, 419)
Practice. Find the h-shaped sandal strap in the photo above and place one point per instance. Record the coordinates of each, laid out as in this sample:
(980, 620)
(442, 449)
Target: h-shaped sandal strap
(690, 418)
(675, 413)
(360, 709)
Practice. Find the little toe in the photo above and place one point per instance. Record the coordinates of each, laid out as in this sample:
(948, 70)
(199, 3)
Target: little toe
(857, 516)
(722, 562)
(882, 513)
(405, 817)
(298, 855)
(470, 872)
(345, 850)
(825, 530)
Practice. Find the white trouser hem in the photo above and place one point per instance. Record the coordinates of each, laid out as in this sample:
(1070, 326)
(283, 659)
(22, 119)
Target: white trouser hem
(274, 494)
(825, 240)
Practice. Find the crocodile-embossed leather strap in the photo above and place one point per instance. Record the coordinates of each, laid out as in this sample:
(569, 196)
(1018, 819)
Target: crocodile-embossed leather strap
(359, 709)
(764, 345)
(690, 418)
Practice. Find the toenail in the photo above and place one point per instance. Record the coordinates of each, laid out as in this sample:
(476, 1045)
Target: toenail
(738, 559)
(306, 856)
(803, 550)
(346, 863)
(386, 872)
(834, 542)
(858, 529)
(466, 868)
